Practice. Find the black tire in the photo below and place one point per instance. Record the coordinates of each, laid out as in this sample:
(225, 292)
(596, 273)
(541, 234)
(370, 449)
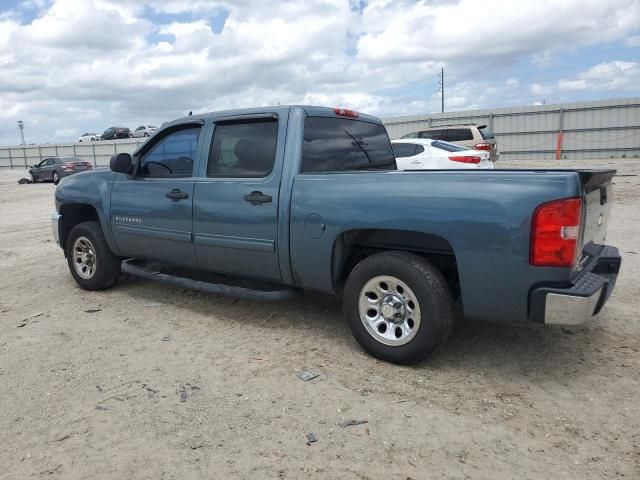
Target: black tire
(429, 288)
(55, 178)
(146, 134)
(107, 265)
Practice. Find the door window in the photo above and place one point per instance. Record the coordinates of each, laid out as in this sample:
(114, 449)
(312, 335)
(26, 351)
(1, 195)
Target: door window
(172, 156)
(243, 149)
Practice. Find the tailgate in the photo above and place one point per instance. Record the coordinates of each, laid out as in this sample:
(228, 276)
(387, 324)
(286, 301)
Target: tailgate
(598, 197)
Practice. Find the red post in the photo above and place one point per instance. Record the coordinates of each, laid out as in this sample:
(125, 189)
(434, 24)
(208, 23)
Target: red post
(559, 146)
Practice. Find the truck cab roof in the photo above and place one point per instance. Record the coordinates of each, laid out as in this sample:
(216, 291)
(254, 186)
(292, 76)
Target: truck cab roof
(310, 110)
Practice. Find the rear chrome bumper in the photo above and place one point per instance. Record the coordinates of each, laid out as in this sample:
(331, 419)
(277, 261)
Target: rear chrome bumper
(586, 296)
(55, 226)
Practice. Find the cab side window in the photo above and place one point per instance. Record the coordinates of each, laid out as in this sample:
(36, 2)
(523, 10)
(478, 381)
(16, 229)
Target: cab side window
(173, 156)
(243, 149)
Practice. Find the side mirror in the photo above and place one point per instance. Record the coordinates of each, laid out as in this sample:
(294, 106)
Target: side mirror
(121, 163)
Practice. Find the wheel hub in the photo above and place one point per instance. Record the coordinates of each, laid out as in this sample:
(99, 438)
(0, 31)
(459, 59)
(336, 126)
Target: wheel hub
(84, 258)
(393, 308)
(389, 310)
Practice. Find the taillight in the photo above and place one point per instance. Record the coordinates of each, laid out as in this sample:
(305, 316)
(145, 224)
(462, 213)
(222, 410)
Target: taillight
(482, 146)
(465, 159)
(343, 112)
(69, 166)
(555, 228)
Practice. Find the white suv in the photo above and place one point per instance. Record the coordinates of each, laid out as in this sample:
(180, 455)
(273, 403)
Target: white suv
(472, 136)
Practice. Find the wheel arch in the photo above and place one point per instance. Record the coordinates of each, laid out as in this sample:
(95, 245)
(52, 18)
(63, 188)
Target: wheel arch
(73, 214)
(352, 246)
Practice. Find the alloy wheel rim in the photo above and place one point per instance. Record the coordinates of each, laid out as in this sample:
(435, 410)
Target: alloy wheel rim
(389, 310)
(84, 258)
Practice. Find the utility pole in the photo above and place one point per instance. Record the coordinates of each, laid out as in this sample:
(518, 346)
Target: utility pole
(442, 87)
(21, 127)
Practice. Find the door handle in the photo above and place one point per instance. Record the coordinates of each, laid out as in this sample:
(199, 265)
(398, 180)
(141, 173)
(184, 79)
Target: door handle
(257, 198)
(176, 194)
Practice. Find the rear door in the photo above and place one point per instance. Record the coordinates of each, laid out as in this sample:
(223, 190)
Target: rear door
(151, 212)
(235, 219)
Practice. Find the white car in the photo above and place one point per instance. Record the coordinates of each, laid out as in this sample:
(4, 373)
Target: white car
(143, 131)
(427, 154)
(89, 137)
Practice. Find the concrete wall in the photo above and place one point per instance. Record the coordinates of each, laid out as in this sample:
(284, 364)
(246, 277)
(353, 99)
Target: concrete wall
(97, 153)
(602, 129)
(590, 130)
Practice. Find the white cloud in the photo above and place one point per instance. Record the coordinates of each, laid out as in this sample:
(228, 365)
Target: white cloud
(88, 64)
(539, 89)
(633, 41)
(615, 75)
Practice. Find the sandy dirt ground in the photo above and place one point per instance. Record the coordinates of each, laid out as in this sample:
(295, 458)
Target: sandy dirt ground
(150, 381)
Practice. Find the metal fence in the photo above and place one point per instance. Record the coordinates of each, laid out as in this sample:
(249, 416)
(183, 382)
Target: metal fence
(585, 130)
(98, 153)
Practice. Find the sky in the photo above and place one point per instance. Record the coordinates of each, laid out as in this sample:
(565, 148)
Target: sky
(74, 66)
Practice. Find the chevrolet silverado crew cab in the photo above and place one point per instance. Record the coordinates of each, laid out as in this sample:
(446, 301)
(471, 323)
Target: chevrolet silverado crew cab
(264, 202)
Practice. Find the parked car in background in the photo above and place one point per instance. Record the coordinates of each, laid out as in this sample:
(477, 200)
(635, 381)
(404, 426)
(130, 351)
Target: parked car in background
(143, 131)
(472, 136)
(113, 133)
(428, 154)
(54, 168)
(89, 137)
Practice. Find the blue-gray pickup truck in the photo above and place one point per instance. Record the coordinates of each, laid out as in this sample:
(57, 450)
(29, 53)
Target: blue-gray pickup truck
(264, 202)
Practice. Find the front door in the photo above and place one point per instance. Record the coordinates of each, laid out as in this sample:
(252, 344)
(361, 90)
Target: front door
(45, 168)
(235, 217)
(151, 212)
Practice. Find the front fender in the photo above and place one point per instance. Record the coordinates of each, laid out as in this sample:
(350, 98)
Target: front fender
(90, 188)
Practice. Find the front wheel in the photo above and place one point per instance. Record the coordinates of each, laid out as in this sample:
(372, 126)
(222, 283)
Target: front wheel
(91, 262)
(398, 307)
(56, 178)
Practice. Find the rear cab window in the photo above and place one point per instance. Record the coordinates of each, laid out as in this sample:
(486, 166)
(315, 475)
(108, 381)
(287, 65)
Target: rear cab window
(339, 144)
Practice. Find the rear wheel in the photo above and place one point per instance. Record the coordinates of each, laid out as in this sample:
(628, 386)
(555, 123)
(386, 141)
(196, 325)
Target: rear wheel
(56, 178)
(91, 262)
(398, 306)
(146, 134)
